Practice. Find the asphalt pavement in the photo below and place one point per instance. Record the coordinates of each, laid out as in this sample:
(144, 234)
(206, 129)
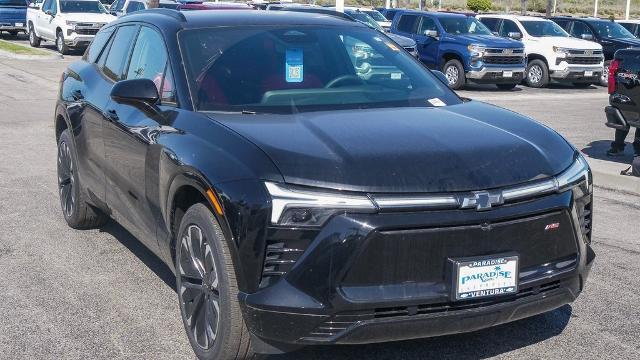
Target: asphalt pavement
(100, 294)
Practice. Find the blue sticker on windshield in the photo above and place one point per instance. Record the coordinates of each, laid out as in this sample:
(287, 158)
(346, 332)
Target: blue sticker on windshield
(293, 66)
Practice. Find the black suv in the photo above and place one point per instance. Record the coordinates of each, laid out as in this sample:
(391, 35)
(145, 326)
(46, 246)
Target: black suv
(310, 182)
(611, 35)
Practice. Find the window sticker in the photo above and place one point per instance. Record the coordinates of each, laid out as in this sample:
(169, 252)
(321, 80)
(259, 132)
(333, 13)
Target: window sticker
(436, 102)
(294, 72)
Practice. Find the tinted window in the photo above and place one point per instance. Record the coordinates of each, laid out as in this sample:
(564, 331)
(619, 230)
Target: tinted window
(389, 14)
(149, 57)
(611, 30)
(490, 23)
(82, 6)
(375, 14)
(310, 68)
(563, 23)
(427, 24)
(580, 28)
(543, 28)
(16, 3)
(508, 26)
(459, 25)
(628, 26)
(54, 7)
(118, 53)
(168, 93)
(98, 43)
(408, 23)
(134, 6)
(46, 5)
(118, 5)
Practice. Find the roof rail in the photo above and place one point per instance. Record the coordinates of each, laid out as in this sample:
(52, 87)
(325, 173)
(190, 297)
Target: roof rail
(161, 11)
(314, 10)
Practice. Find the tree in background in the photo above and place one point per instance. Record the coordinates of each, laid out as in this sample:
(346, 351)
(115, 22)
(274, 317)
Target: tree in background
(152, 4)
(479, 5)
(523, 7)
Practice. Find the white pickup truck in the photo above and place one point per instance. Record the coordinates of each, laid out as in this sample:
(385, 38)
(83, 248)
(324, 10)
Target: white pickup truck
(70, 23)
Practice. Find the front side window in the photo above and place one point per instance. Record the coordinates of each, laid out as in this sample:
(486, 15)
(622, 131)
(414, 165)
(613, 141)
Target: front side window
(304, 68)
(508, 26)
(119, 52)
(149, 61)
(466, 25)
(427, 24)
(543, 28)
(611, 30)
(82, 6)
(46, 5)
(365, 19)
(408, 23)
(98, 44)
(490, 23)
(135, 6)
(376, 15)
(13, 3)
(580, 29)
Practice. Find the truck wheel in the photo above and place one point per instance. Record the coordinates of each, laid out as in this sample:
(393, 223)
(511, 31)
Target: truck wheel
(13, 33)
(454, 72)
(34, 40)
(208, 289)
(604, 79)
(506, 86)
(62, 47)
(537, 74)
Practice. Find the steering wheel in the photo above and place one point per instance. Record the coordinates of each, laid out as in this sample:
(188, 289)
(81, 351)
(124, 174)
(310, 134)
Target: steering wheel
(343, 80)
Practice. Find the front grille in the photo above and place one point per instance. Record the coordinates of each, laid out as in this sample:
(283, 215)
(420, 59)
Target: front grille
(504, 51)
(510, 60)
(585, 52)
(87, 31)
(578, 60)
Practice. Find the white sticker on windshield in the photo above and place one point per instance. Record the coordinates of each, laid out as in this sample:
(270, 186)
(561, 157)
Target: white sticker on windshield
(436, 102)
(396, 76)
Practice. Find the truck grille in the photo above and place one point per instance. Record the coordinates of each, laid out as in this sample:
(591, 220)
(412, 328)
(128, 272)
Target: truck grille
(583, 60)
(504, 60)
(87, 31)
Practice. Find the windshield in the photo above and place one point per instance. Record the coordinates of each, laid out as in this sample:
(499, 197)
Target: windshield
(543, 28)
(173, 6)
(82, 6)
(376, 15)
(19, 3)
(611, 30)
(365, 19)
(463, 26)
(288, 69)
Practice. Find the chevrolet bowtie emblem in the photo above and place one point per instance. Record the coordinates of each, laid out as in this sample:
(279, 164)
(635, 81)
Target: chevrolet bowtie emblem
(482, 200)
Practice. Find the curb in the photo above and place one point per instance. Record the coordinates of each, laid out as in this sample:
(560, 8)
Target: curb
(51, 56)
(607, 175)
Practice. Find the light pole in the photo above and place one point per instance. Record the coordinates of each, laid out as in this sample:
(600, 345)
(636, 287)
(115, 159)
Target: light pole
(340, 6)
(626, 16)
(595, 9)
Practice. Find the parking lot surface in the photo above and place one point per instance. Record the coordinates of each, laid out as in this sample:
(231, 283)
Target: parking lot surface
(100, 294)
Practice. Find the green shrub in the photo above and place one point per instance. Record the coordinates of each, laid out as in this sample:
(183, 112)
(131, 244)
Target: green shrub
(479, 5)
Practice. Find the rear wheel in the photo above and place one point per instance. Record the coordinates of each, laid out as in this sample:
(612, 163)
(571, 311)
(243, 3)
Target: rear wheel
(34, 40)
(208, 290)
(13, 33)
(76, 210)
(537, 74)
(60, 44)
(454, 72)
(506, 86)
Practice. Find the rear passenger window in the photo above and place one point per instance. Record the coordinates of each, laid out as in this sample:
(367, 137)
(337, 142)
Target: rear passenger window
(490, 23)
(119, 52)
(98, 43)
(408, 23)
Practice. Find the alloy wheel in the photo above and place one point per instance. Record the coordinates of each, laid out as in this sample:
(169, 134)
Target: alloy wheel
(60, 43)
(32, 39)
(452, 74)
(535, 74)
(199, 287)
(65, 179)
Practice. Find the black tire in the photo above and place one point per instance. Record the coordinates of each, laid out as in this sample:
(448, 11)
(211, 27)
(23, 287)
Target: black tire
(537, 74)
(208, 289)
(604, 79)
(77, 211)
(60, 44)
(506, 86)
(13, 33)
(454, 71)
(34, 40)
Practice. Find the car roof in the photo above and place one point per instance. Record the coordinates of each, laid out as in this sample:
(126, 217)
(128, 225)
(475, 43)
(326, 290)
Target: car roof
(514, 17)
(197, 19)
(434, 13)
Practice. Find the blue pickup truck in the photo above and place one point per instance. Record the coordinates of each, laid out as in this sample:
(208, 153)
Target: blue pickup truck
(463, 48)
(13, 16)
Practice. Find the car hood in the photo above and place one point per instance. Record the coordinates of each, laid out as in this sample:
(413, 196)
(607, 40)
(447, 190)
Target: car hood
(487, 40)
(89, 17)
(402, 40)
(471, 146)
(568, 42)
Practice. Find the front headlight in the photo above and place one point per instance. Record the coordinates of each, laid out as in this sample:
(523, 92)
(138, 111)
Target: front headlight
(560, 51)
(71, 24)
(295, 206)
(578, 172)
(477, 50)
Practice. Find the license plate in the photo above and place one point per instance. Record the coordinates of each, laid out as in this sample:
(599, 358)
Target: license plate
(588, 73)
(507, 74)
(484, 277)
(19, 24)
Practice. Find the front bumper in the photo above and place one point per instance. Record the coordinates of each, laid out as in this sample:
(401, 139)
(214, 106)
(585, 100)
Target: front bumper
(495, 75)
(384, 277)
(577, 74)
(75, 40)
(12, 27)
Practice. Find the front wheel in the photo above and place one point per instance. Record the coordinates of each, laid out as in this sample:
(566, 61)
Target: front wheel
(208, 289)
(506, 86)
(454, 71)
(60, 44)
(537, 74)
(34, 40)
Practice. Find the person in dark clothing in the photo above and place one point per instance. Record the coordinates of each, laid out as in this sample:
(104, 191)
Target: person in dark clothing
(618, 145)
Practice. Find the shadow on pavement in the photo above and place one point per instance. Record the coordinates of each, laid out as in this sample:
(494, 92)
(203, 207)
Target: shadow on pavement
(477, 345)
(598, 150)
(488, 88)
(141, 252)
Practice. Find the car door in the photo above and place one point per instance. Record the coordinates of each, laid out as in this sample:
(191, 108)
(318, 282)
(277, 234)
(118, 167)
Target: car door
(129, 134)
(508, 27)
(428, 46)
(48, 28)
(42, 17)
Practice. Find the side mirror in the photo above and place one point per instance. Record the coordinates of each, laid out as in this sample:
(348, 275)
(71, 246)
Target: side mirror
(431, 33)
(135, 92)
(495, 33)
(49, 12)
(441, 76)
(515, 35)
(586, 37)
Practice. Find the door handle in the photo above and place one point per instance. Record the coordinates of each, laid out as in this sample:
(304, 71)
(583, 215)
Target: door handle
(111, 115)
